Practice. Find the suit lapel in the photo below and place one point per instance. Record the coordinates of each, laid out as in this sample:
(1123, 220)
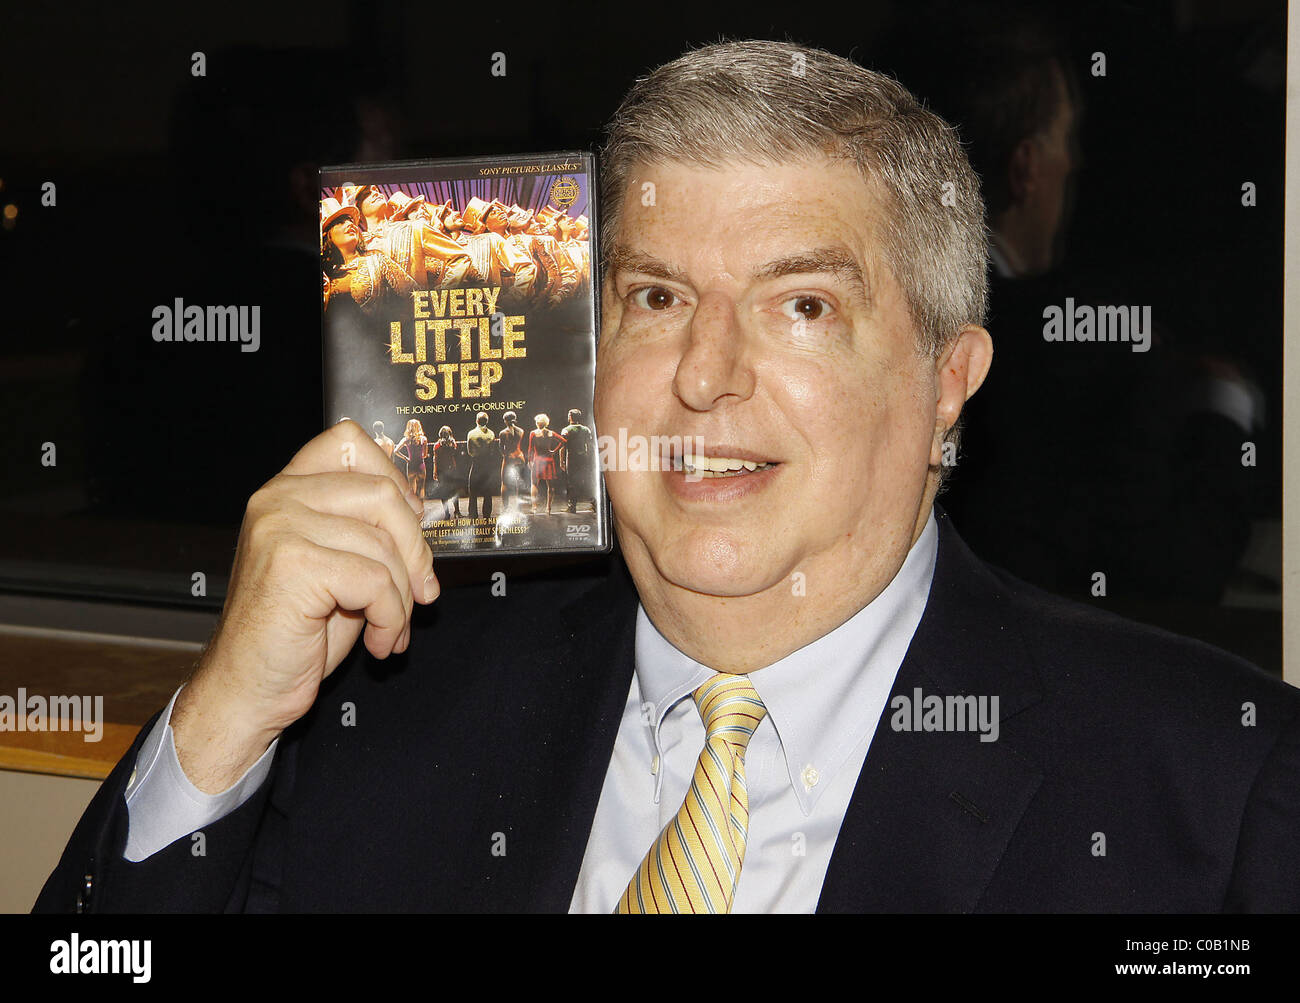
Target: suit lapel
(933, 812)
(542, 794)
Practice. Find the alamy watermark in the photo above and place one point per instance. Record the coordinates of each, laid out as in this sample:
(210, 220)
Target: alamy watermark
(179, 322)
(682, 453)
(919, 712)
(56, 713)
(1101, 323)
(75, 956)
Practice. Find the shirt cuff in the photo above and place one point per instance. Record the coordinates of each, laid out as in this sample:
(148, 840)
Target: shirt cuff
(162, 805)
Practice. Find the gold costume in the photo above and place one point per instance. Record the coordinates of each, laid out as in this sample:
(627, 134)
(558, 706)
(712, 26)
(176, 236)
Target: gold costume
(526, 253)
(578, 252)
(561, 274)
(497, 259)
(374, 276)
(517, 258)
(422, 252)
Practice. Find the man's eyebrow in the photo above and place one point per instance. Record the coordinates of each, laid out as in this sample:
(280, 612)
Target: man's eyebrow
(624, 259)
(831, 260)
(834, 260)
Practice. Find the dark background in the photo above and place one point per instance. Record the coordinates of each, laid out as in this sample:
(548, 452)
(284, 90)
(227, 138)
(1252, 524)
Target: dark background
(205, 188)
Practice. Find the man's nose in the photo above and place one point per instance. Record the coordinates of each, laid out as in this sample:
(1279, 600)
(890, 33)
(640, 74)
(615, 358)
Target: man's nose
(713, 366)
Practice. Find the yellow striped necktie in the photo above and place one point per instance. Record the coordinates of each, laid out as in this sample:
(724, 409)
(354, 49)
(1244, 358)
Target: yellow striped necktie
(695, 863)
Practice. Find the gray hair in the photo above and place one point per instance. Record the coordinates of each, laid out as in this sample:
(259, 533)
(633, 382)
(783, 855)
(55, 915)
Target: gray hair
(766, 102)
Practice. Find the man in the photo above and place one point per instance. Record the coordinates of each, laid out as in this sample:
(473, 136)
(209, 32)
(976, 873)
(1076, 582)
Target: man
(484, 466)
(456, 226)
(576, 462)
(1114, 772)
(517, 267)
(381, 440)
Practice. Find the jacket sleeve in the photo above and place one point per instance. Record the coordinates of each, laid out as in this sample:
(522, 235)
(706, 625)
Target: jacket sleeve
(1266, 873)
(209, 875)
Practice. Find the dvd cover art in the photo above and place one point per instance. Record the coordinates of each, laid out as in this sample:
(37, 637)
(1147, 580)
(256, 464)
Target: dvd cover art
(459, 325)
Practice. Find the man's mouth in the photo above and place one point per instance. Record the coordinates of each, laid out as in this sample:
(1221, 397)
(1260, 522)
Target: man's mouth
(720, 466)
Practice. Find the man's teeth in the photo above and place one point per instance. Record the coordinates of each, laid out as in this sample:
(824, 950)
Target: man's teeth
(721, 466)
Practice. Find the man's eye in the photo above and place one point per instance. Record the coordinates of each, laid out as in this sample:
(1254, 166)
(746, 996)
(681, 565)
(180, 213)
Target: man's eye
(653, 298)
(805, 308)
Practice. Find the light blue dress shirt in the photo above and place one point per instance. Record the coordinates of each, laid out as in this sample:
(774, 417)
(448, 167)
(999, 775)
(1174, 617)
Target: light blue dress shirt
(823, 704)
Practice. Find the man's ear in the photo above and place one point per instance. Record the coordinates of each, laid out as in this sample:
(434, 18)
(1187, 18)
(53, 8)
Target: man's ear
(959, 372)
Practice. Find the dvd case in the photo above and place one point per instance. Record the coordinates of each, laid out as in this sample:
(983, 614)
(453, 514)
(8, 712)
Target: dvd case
(459, 325)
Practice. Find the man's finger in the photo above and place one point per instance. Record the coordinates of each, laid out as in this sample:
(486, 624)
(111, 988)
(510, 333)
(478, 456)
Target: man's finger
(371, 499)
(354, 582)
(345, 447)
(357, 536)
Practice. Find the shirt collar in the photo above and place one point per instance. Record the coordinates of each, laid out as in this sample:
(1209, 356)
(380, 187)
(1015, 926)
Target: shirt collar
(854, 666)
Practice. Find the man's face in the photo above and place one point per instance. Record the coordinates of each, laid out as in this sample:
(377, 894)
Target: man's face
(495, 220)
(374, 202)
(750, 306)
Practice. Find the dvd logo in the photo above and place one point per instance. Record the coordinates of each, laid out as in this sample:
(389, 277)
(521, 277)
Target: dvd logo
(583, 530)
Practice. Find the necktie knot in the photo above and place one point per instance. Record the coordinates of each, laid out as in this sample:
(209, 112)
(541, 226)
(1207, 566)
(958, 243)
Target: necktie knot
(730, 708)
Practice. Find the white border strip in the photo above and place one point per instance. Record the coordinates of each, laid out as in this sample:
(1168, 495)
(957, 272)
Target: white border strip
(1291, 364)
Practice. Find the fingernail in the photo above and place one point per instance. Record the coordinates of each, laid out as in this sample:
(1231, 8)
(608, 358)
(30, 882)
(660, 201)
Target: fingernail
(431, 589)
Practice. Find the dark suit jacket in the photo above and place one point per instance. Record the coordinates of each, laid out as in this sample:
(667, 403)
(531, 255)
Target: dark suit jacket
(504, 728)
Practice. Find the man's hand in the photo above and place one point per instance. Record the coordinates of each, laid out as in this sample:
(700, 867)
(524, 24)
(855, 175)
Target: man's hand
(330, 546)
